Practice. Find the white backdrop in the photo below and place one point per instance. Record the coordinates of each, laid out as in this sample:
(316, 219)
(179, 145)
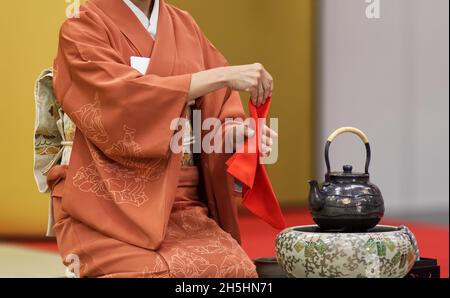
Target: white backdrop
(389, 77)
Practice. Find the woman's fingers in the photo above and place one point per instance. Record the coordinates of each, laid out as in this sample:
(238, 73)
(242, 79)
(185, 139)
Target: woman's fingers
(268, 86)
(248, 132)
(271, 86)
(263, 84)
(269, 132)
(268, 137)
(267, 141)
(254, 95)
(257, 94)
(260, 93)
(265, 150)
(265, 92)
(264, 88)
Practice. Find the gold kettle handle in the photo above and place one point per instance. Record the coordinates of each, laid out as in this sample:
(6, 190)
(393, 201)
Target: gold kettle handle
(355, 131)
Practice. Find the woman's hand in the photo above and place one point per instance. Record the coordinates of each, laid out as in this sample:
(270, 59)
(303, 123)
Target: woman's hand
(267, 140)
(237, 132)
(252, 78)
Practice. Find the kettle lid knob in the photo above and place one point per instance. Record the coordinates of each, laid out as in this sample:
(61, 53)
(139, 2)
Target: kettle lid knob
(348, 169)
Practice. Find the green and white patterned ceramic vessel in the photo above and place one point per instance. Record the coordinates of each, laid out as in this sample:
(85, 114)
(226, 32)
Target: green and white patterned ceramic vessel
(383, 252)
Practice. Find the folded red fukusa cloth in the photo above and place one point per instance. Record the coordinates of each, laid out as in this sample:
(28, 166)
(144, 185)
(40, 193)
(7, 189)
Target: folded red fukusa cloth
(245, 166)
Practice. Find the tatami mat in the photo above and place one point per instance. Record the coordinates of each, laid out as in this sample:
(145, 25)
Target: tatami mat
(22, 262)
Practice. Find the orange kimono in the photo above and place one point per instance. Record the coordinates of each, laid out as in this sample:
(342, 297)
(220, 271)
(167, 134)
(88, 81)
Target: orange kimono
(125, 206)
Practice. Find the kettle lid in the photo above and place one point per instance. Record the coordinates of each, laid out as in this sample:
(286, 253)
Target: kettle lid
(348, 173)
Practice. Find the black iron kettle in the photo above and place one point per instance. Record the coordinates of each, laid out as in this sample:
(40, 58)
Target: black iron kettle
(346, 201)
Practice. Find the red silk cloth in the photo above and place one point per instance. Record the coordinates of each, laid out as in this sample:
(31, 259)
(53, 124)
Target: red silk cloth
(245, 166)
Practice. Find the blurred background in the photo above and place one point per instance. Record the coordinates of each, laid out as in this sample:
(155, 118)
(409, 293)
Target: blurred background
(333, 66)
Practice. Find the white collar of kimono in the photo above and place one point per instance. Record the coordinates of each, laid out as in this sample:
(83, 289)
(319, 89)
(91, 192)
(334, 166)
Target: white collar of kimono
(151, 25)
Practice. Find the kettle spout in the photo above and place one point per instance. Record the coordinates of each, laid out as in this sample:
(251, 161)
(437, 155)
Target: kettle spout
(316, 197)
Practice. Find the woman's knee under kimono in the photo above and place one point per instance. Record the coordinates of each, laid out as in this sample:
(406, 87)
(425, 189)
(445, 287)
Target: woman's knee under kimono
(195, 246)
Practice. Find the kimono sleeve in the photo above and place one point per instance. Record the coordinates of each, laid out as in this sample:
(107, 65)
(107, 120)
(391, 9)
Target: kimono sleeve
(104, 96)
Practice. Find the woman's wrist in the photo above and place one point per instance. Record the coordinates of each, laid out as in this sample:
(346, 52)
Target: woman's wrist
(208, 81)
(223, 76)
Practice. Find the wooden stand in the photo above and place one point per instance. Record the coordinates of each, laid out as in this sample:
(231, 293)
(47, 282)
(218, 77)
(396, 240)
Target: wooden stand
(425, 268)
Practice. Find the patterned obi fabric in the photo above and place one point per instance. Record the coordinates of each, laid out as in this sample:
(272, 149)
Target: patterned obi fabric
(55, 132)
(188, 140)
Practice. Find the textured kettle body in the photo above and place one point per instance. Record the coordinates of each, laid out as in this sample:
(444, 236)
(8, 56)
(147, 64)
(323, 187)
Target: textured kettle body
(346, 201)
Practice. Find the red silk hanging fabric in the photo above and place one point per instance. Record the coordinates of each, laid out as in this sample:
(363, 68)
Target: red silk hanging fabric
(245, 166)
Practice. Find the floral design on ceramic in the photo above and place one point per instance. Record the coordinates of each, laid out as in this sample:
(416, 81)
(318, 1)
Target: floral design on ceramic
(128, 178)
(375, 254)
